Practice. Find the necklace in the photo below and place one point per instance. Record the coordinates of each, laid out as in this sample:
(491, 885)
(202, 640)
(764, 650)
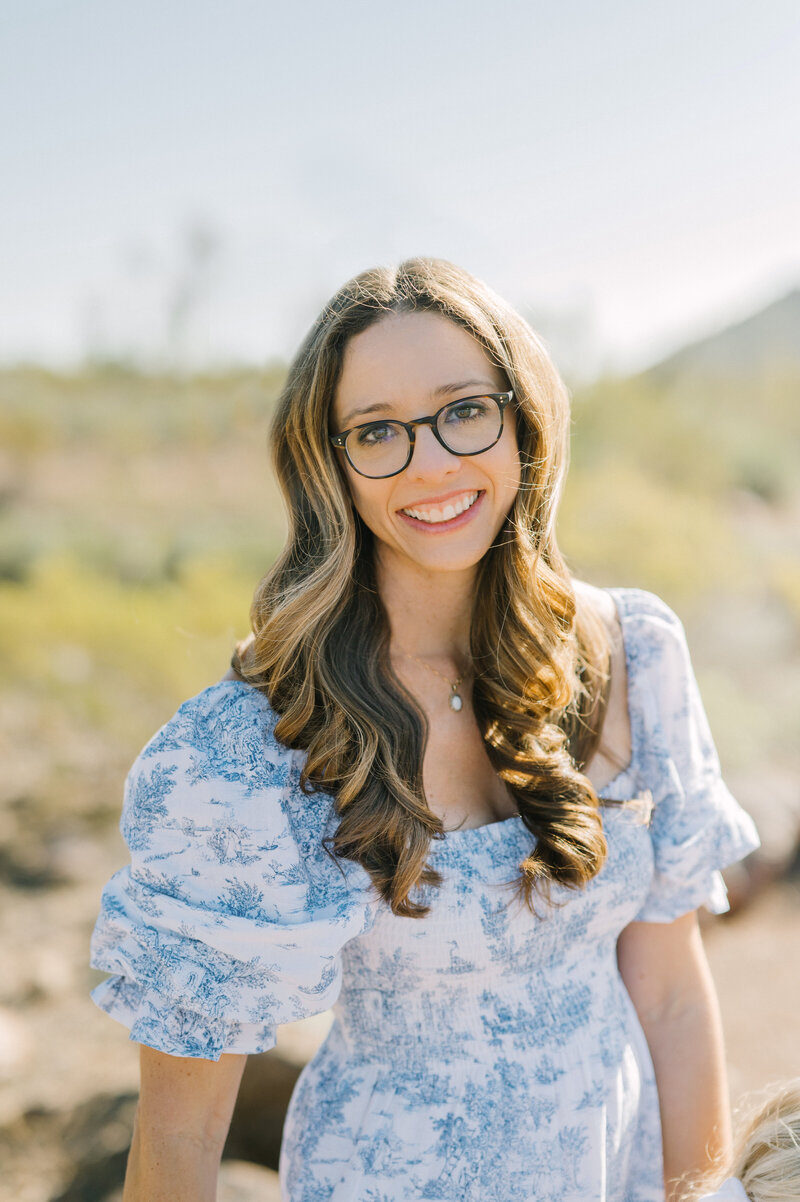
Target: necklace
(455, 701)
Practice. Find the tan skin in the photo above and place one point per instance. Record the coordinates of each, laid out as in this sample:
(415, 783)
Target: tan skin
(398, 368)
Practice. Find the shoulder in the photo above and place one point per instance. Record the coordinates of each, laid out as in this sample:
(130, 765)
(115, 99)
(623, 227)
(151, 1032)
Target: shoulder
(596, 601)
(663, 690)
(217, 761)
(654, 637)
(638, 607)
(640, 623)
(214, 789)
(652, 679)
(226, 702)
(632, 614)
(614, 748)
(635, 605)
(226, 731)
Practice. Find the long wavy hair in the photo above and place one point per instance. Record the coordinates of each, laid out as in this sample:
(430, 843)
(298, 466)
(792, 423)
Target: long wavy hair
(320, 646)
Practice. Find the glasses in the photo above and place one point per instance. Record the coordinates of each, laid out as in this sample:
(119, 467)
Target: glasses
(466, 427)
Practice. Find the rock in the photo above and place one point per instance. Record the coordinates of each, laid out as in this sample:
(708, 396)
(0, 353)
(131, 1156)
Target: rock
(298, 1042)
(15, 1044)
(94, 1140)
(80, 1155)
(257, 1123)
(772, 795)
(267, 1084)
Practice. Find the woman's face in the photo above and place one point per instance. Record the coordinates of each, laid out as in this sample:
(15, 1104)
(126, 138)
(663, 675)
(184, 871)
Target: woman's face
(409, 365)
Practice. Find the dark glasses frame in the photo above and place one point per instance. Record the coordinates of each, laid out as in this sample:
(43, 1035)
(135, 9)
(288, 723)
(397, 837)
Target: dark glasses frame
(501, 399)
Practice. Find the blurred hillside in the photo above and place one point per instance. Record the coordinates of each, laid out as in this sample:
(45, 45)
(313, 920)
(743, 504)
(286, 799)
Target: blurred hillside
(686, 479)
(138, 511)
(767, 341)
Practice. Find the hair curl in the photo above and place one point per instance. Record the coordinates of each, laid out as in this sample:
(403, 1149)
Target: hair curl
(320, 649)
(767, 1155)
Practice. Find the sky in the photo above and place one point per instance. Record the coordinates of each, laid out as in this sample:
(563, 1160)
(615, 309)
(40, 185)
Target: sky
(191, 180)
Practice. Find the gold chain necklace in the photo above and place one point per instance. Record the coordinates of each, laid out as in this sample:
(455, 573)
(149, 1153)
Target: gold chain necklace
(455, 701)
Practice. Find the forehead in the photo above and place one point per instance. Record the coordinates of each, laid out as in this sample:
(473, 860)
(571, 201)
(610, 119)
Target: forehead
(405, 358)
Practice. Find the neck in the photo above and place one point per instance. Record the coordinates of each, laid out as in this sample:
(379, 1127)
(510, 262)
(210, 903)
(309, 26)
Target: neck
(429, 612)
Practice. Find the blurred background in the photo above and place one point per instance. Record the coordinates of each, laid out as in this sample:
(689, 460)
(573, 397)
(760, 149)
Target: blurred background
(184, 185)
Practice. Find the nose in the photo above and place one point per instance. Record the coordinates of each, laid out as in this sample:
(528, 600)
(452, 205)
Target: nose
(430, 458)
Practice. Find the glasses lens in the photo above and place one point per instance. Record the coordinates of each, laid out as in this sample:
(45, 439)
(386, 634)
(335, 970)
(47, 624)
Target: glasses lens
(378, 449)
(471, 425)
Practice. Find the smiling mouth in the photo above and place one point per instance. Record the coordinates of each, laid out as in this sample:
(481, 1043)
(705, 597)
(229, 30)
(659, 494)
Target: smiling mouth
(435, 515)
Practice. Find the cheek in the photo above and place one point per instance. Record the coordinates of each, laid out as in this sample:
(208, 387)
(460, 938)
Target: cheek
(508, 479)
(514, 452)
(369, 499)
(509, 469)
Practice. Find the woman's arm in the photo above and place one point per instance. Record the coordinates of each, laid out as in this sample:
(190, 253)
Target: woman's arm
(665, 971)
(182, 1121)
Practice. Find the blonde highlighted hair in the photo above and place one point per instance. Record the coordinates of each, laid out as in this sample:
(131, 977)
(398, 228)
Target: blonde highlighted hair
(320, 647)
(767, 1155)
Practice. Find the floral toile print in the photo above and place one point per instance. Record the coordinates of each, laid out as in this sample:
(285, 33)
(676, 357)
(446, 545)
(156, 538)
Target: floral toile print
(477, 1053)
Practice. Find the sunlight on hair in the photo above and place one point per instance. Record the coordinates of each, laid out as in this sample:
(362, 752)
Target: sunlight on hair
(321, 641)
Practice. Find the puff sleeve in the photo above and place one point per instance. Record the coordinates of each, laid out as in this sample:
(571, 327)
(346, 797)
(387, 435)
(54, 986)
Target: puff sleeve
(697, 828)
(231, 915)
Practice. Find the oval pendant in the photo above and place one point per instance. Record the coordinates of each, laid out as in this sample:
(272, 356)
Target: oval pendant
(455, 702)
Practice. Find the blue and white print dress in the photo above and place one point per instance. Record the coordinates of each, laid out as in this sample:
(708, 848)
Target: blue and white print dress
(479, 1054)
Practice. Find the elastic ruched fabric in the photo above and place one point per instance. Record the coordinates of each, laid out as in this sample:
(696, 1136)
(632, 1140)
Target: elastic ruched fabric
(227, 921)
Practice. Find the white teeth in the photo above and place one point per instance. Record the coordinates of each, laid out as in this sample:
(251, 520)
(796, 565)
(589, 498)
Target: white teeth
(433, 514)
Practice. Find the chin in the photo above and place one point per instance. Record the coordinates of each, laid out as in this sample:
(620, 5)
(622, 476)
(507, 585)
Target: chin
(457, 560)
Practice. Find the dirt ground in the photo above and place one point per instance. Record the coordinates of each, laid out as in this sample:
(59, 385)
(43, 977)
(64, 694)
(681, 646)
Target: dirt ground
(755, 959)
(68, 1073)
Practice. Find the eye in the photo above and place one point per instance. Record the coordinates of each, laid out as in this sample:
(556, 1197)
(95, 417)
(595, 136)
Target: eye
(376, 434)
(472, 409)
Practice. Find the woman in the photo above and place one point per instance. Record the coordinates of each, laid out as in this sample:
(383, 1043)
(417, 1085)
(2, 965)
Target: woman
(426, 797)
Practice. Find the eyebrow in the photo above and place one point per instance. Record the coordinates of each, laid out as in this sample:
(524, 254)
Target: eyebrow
(442, 391)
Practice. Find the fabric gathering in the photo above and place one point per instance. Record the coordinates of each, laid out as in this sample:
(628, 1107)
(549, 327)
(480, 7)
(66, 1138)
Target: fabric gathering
(472, 1051)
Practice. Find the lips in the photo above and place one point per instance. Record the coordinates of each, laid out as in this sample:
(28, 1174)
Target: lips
(437, 515)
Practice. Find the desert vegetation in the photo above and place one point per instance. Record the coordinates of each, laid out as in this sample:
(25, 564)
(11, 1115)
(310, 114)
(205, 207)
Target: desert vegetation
(137, 512)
